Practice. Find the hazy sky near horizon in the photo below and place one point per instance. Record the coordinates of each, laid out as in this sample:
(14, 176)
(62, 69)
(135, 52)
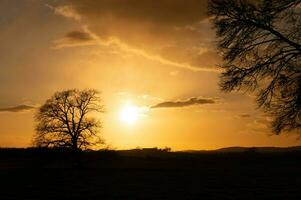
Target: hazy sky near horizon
(158, 55)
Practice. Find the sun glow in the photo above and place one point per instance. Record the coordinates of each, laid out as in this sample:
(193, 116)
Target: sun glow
(129, 114)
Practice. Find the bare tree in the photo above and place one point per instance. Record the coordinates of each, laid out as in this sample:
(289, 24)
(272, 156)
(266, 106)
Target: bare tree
(64, 121)
(259, 41)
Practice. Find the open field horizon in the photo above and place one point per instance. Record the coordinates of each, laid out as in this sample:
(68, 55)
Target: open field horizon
(168, 149)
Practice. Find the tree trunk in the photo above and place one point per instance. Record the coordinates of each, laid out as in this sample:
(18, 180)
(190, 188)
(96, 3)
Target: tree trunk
(74, 144)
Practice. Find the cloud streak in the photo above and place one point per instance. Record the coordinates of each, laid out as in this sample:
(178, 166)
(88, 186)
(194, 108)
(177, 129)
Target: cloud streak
(66, 11)
(184, 103)
(174, 32)
(19, 108)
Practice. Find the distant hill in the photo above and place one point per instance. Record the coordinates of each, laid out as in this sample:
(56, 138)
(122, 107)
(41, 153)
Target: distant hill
(249, 149)
(259, 149)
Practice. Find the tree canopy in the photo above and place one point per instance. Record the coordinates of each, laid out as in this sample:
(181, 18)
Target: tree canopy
(65, 120)
(260, 42)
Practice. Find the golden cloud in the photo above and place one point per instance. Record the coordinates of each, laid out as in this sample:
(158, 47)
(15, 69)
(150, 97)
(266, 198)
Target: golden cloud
(173, 32)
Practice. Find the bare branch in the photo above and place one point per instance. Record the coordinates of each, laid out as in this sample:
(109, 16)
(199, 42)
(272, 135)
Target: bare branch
(260, 44)
(63, 121)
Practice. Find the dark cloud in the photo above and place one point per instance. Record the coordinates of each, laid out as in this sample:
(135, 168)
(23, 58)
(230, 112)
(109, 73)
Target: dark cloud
(171, 31)
(79, 36)
(18, 108)
(167, 12)
(244, 115)
(184, 103)
(75, 38)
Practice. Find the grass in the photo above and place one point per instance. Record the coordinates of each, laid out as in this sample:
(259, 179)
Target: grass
(150, 174)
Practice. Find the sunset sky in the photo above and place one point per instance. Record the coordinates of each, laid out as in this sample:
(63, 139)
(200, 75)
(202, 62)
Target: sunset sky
(153, 61)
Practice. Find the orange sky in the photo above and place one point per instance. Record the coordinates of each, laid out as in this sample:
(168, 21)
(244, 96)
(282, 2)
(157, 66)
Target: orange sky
(149, 53)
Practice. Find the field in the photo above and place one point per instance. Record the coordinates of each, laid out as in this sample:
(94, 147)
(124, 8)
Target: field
(149, 174)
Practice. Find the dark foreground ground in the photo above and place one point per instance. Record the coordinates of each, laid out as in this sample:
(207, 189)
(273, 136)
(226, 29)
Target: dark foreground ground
(44, 174)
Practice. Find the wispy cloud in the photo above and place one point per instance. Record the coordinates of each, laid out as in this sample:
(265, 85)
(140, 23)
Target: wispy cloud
(66, 10)
(258, 124)
(19, 108)
(184, 103)
(178, 33)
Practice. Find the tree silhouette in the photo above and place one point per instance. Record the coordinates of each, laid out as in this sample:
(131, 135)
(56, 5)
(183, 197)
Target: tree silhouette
(260, 45)
(64, 121)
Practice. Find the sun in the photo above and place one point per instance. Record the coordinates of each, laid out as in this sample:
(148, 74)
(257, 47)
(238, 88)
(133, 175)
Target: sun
(129, 114)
